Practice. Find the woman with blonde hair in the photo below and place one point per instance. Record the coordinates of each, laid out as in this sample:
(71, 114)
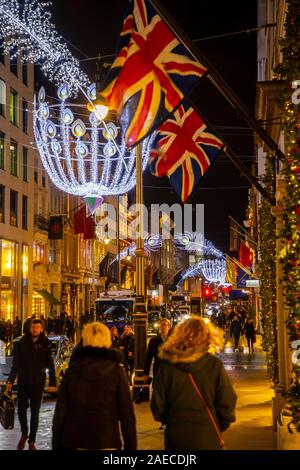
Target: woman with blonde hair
(94, 398)
(192, 394)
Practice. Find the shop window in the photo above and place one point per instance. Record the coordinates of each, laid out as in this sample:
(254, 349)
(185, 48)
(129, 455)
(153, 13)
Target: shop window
(8, 276)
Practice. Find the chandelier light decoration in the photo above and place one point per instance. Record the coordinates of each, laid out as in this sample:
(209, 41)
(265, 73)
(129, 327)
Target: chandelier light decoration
(193, 242)
(82, 154)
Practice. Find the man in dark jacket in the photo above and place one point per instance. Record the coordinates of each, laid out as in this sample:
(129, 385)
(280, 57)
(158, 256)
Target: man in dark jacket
(32, 355)
(153, 348)
(127, 347)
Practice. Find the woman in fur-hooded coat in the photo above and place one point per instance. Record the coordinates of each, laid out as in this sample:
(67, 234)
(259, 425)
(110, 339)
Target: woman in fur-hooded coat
(175, 402)
(94, 401)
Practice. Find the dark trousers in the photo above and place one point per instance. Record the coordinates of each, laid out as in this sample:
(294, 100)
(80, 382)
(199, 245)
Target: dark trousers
(29, 395)
(129, 368)
(250, 342)
(236, 341)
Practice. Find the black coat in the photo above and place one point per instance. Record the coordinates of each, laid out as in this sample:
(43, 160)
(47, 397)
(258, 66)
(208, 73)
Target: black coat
(94, 397)
(175, 402)
(127, 346)
(249, 330)
(30, 360)
(235, 328)
(152, 353)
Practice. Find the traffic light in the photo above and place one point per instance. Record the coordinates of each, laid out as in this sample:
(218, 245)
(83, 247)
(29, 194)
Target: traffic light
(207, 292)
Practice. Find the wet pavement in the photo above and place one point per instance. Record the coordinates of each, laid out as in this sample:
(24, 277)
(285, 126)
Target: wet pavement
(252, 429)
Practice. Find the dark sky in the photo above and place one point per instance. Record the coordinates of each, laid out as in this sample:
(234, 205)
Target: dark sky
(93, 27)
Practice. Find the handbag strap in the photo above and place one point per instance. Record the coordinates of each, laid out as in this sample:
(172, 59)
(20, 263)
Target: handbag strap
(221, 442)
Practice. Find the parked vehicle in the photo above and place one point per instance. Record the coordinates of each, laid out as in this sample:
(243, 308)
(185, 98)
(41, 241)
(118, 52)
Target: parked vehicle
(61, 348)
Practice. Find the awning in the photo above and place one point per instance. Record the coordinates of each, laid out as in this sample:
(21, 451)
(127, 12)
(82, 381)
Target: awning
(49, 297)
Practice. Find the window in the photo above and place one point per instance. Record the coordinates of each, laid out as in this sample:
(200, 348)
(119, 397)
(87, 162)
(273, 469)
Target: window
(13, 158)
(2, 204)
(25, 212)
(13, 107)
(36, 170)
(24, 71)
(14, 61)
(2, 97)
(25, 163)
(2, 151)
(38, 252)
(25, 115)
(13, 208)
(43, 179)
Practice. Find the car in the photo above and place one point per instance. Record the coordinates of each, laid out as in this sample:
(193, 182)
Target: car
(61, 349)
(153, 322)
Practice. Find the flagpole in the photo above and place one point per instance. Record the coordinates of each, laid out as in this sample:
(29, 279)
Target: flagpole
(216, 79)
(140, 317)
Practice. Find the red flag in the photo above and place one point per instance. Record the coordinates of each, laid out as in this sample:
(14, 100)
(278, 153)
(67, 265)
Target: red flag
(89, 228)
(83, 224)
(245, 255)
(79, 220)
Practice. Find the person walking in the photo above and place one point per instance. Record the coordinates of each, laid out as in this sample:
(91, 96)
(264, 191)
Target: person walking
(187, 372)
(249, 332)
(32, 355)
(17, 327)
(235, 331)
(94, 398)
(127, 346)
(153, 348)
(8, 331)
(115, 338)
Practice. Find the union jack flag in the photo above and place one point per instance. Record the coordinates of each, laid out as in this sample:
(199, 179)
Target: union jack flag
(184, 149)
(151, 74)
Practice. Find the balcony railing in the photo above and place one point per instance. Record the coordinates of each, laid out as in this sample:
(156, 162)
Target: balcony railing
(41, 222)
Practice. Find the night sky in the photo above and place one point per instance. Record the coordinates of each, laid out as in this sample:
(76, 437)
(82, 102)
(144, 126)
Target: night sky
(93, 26)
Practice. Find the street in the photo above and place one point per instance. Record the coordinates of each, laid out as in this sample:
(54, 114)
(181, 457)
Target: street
(251, 431)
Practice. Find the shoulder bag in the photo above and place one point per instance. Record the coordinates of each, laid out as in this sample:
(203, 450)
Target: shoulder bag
(221, 442)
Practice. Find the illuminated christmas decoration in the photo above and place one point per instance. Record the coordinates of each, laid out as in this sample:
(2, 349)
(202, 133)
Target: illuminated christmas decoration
(196, 242)
(27, 30)
(213, 270)
(86, 156)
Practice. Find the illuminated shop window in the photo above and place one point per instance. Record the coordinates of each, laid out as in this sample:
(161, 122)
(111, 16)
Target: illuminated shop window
(8, 279)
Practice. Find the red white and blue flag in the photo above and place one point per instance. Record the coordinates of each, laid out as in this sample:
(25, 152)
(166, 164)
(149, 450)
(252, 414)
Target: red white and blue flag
(151, 74)
(184, 149)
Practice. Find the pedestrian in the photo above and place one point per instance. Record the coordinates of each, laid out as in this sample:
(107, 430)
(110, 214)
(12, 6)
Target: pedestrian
(94, 398)
(86, 318)
(2, 330)
(115, 338)
(249, 332)
(235, 331)
(187, 367)
(17, 327)
(69, 328)
(57, 325)
(153, 348)
(8, 331)
(127, 346)
(32, 355)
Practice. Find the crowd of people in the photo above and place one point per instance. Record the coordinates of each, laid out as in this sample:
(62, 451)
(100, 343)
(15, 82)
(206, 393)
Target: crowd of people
(94, 397)
(10, 330)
